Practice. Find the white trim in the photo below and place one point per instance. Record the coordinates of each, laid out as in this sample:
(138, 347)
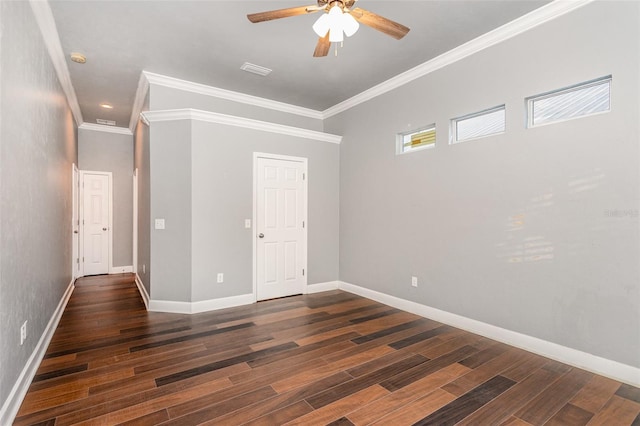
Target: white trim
(143, 291)
(320, 287)
(231, 120)
(16, 396)
(105, 128)
(138, 103)
(200, 306)
(202, 89)
(511, 29)
(46, 23)
(121, 269)
(595, 364)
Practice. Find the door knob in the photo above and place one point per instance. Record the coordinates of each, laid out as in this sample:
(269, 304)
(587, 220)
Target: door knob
(261, 235)
(75, 231)
(104, 229)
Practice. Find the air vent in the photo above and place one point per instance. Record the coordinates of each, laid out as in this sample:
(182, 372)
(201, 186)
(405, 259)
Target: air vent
(255, 69)
(105, 122)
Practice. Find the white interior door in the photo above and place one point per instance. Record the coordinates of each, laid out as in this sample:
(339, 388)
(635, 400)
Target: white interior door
(280, 227)
(75, 222)
(96, 222)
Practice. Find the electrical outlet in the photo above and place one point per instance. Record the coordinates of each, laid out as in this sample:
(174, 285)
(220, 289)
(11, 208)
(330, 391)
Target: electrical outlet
(144, 269)
(247, 223)
(414, 281)
(23, 333)
(220, 277)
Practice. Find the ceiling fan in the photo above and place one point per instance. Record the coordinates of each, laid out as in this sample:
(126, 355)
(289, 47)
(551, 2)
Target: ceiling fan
(339, 17)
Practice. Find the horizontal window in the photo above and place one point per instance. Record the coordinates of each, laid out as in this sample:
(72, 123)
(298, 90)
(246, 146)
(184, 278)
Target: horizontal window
(479, 124)
(416, 140)
(591, 97)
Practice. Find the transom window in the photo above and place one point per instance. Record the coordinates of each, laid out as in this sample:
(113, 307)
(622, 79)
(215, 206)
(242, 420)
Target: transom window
(415, 140)
(580, 100)
(478, 125)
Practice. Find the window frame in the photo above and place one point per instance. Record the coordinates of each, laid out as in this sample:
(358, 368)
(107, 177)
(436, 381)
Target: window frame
(400, 139)
(453, 128)
(530, 100)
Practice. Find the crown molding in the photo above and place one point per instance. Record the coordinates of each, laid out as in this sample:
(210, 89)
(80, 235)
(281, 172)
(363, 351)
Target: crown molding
(511, 29)
(175, 83)
(138, 103)
(106, 129)
(51, 38)
(230, 120)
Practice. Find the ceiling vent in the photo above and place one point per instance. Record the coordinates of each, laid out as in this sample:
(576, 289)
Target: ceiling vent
(255, 69)
(105, 122)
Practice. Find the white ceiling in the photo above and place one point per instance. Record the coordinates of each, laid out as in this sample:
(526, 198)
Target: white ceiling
(207, 41)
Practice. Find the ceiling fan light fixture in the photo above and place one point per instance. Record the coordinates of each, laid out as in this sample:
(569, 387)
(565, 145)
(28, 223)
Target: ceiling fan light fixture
(336, 35)
(349, 24)
(322, 25)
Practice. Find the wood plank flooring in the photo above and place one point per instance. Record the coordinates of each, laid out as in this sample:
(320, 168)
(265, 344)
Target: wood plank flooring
(325, 359)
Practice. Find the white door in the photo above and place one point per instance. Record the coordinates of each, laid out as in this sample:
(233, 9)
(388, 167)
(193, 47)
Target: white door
(280, 227)
(95, 222)
(75, 222)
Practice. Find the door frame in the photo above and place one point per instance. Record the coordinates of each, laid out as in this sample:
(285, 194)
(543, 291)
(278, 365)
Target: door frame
(81, 217)
(135, 221)
(305, 201)
(75, 222)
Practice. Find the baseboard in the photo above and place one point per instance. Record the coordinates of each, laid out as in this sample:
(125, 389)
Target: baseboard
(320, 287)
(201, 306)
(143, 291)
(595, 364)
(14, 400)
(121, 269)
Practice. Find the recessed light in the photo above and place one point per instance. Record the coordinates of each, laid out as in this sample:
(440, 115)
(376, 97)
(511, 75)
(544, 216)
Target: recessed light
(78, 57)
(255, 69)
(106, 106)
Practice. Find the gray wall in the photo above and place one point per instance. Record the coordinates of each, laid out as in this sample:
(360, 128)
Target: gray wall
(202, 185)
(169, 98)
(113, 152)
(469, 219)
(141, 162)
(170, 197)
(38, 149)
(222, 198)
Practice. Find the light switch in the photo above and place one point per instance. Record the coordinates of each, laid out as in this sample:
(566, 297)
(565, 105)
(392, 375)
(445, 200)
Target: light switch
(159, 223)
(247, 223)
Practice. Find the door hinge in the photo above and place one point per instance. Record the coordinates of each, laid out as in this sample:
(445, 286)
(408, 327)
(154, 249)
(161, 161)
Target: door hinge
(77, 260)
(304, 176)
(82, 259)
(303, 272)
(303, 223)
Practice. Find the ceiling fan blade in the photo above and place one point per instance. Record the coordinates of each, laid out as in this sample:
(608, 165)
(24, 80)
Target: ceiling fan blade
(323, 46)
(281, 13)
(380, 23)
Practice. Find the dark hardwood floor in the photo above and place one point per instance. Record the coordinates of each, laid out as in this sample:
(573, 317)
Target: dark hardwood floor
(329, 358)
